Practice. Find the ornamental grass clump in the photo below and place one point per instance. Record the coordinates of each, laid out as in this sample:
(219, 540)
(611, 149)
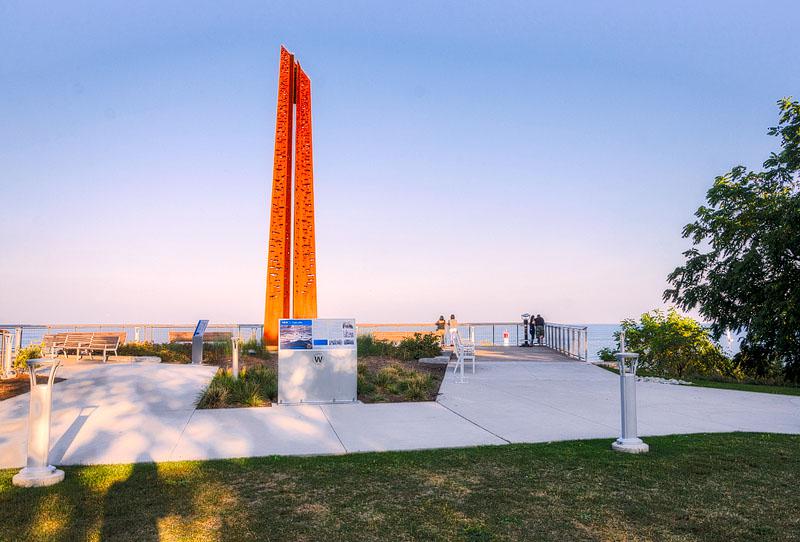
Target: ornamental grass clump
(256, 386)
(395, 381)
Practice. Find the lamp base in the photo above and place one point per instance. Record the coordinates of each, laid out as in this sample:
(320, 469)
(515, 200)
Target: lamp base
(38, 477)
(630, 446)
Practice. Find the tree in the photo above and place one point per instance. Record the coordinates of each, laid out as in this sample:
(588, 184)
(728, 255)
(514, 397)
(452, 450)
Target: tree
(743, 270)
(674, 345)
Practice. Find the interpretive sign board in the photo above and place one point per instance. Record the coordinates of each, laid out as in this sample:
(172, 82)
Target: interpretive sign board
(317, 360)
(197, 342)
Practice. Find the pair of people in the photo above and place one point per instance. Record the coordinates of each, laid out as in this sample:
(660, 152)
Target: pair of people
(537, 328)
(442, 324)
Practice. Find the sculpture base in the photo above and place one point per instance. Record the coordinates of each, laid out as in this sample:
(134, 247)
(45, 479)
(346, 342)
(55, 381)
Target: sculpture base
(38, 477)
(630, 446)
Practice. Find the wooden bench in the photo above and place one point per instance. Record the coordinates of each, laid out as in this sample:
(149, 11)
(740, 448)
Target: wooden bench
(83, 342)
(52, 345)
(208, 336)
(397, 336)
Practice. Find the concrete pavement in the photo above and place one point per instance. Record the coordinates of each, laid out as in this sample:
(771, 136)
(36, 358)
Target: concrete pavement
(131, 412)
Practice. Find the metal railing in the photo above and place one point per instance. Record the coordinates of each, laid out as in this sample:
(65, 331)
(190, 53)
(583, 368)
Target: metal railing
(572, 341)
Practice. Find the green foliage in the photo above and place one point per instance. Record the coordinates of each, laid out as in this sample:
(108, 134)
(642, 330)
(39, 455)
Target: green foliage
(744, 267)
(32, 351)
(674, 345)
(256, 386)
(421, 345)
(254, 348)
(168, 352)
(214, 353)
(606, 354)
(395, 380)
(369, 346)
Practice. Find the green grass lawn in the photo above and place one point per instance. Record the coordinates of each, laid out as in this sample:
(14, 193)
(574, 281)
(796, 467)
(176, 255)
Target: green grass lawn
(699, 487)
(727, 384)
(745, 386)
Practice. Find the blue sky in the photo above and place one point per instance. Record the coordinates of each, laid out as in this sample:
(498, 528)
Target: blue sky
(479, 158)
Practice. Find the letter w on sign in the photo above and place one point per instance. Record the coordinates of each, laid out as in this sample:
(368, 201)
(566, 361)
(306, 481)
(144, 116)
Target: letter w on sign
(318, 358)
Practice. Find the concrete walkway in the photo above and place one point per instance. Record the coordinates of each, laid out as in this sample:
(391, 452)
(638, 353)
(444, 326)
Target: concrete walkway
(132, 412)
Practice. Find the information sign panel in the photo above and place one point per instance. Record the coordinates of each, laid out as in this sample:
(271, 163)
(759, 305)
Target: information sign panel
(317, 360)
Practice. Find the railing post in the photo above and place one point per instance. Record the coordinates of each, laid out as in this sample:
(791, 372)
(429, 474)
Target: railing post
(569, 341)
(573, 348)
(586, 344)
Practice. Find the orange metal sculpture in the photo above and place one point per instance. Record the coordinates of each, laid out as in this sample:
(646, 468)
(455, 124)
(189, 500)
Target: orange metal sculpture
(294, 87)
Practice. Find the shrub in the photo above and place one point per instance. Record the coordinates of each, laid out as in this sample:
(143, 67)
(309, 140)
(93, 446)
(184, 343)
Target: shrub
(367, 346)
(606, 354)
(674, 345)
(168, 352)
(216, 353)
(32, 351)
(254, 348)
(421, 345)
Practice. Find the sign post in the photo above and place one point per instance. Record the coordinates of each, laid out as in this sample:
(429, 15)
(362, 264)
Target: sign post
(317, 361)
(197, 342)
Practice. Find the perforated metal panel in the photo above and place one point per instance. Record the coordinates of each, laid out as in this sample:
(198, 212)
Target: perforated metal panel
(304, 275)
(278, 295)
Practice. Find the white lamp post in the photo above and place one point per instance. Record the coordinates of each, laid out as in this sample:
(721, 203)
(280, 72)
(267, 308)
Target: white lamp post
(629, 440)
(235, 357)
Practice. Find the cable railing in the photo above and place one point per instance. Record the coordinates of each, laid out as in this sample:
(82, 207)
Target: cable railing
(569, 340)
(154, 333)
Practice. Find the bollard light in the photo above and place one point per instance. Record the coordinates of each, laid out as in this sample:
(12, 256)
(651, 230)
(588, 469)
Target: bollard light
(629, 440)
(38, 472)
(235, 357)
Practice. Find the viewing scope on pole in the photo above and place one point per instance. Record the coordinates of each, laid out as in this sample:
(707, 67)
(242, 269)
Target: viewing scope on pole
(526, 321)
(629, 440)
(38, 472)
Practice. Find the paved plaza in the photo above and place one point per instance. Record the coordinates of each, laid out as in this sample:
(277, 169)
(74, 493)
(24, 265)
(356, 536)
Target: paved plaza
(122, 413)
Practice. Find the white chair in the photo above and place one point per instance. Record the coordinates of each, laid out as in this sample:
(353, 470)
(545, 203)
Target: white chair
(465, 350)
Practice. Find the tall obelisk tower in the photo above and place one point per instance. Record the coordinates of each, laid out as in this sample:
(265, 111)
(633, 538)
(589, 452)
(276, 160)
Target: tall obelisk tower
(295, 295)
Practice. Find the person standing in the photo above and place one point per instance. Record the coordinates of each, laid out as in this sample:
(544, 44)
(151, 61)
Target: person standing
(452, 327)
(539, 323)
(441, 323)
